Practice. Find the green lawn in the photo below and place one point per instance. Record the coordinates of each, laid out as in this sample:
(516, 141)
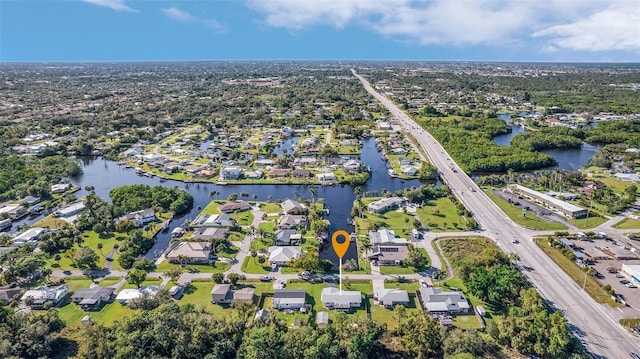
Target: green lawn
(50, 222)
(212, 207)
(77, 283)
(530, 221)
(468, 321)
(260, 244)
(628, 223)
(244, 218)
(288, 319)
(72, 314)
(229, 253)
(396, 270)
(269, 207)
(586, 223)
(199, 294)
(236, 236)
(410, 286)
(268, 226)
(314, 297)
(249, 265)
(217, 267)
(592, 287)
(109, 281)
(149, 281)
(383, 315)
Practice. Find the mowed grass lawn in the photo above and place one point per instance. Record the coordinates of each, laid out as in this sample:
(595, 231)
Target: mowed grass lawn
(252, 266)
(72, 314)
(383, 315)
(314, 297)
(591, 222)
(530, 221)
(628, 223)
(217, 267)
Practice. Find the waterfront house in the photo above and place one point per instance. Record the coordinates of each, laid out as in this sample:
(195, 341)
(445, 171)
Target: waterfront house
(291, 206)
(189, 252)
(386, 204)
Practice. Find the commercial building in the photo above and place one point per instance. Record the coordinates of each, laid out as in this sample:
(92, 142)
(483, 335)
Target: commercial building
(567, 209)
(631, 271)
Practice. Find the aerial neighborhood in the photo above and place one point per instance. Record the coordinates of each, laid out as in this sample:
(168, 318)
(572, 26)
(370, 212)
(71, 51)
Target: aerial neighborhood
(209, 194)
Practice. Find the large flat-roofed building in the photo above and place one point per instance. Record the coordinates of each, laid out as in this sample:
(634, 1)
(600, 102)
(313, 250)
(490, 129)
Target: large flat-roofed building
(386, 204)
(567, 209)
(632, 271)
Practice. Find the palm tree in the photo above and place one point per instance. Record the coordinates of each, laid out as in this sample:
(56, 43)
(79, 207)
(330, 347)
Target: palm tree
(183, 260)
(314, 192)
(255, 197)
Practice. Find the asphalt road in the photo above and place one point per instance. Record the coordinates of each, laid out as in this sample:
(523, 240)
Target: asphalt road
(597, 322)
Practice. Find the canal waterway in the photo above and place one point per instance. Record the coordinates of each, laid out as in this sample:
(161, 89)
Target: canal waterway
(103, 175)
(570, 159)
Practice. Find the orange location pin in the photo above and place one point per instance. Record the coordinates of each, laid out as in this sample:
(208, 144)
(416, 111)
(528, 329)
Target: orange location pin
(340, 248)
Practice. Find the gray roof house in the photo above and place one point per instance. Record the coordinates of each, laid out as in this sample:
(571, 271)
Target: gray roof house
(291, 221)
(333, 298)
(283, 255)
(286, 237)
(222, 220)
(289, 298)
(438, 301)
(221, 293)
(389, 298)
(293, 207)
(92, 298)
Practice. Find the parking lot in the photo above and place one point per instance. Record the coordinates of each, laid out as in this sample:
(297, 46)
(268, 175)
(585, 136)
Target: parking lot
(607, 255)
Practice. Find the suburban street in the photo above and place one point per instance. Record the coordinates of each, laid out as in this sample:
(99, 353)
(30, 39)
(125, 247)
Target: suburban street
(597, 322)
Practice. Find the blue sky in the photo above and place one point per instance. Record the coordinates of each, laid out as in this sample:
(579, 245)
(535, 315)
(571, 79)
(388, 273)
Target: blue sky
(470, 30)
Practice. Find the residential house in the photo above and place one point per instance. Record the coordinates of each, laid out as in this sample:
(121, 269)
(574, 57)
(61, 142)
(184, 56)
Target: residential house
(293, 207)
(246, 294)
(140, 218)
(289, 298)
(279, 173)
(221, 294)
(287, 237)
(352, 165)
(92, 298)
(222, 220)
(386, 248)
(334, 298)
(386, 204)
(283, 255)
(301, 173)
(39, 296)
(254, 174)
(230, 173)
(60, 188)
(263, 162)
(189, 252)
(409, 170)
(435, 300)
(327, 179)
(127, 295)
(292, 221)
(234, 207)
(29, 236)
(207, 234)
(389, 298)
(71, 210)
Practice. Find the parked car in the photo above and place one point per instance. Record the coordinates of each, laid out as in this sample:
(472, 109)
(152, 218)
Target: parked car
(282, 284)
(265, 278)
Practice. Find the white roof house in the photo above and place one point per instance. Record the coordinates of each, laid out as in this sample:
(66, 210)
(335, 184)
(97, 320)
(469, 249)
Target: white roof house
(409, 170)
(42, 295)
(352, 165)
(386, 204)
(30, 236)
(60, 187)
(126, 295)
(334, 298)
(436, 300)
(71, 210)
(283, 255)
(385, 236)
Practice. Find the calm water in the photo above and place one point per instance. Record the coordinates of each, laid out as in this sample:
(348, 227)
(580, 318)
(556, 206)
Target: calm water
(569, 159)
(104, 175)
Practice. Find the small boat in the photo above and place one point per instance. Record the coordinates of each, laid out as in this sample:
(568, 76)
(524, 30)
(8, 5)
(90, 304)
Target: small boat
(163, 179)
(392, 173)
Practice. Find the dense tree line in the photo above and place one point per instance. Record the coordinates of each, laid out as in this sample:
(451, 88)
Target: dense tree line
(549, 138)
(126, 199)
(21, 176)
(627, 132)
(30, 335)
(469, 142)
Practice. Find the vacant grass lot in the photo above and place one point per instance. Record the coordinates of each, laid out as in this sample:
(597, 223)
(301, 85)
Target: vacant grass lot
(217, 267)
(628, 223)
(585, 223)
(383, 315)
(531, 221)
(592, 286)
(252, 266)
(410, 286)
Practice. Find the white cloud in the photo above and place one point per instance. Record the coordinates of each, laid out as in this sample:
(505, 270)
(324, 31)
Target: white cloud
(117, 5)
(614, 28)
(176, 14)
(562, 23)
